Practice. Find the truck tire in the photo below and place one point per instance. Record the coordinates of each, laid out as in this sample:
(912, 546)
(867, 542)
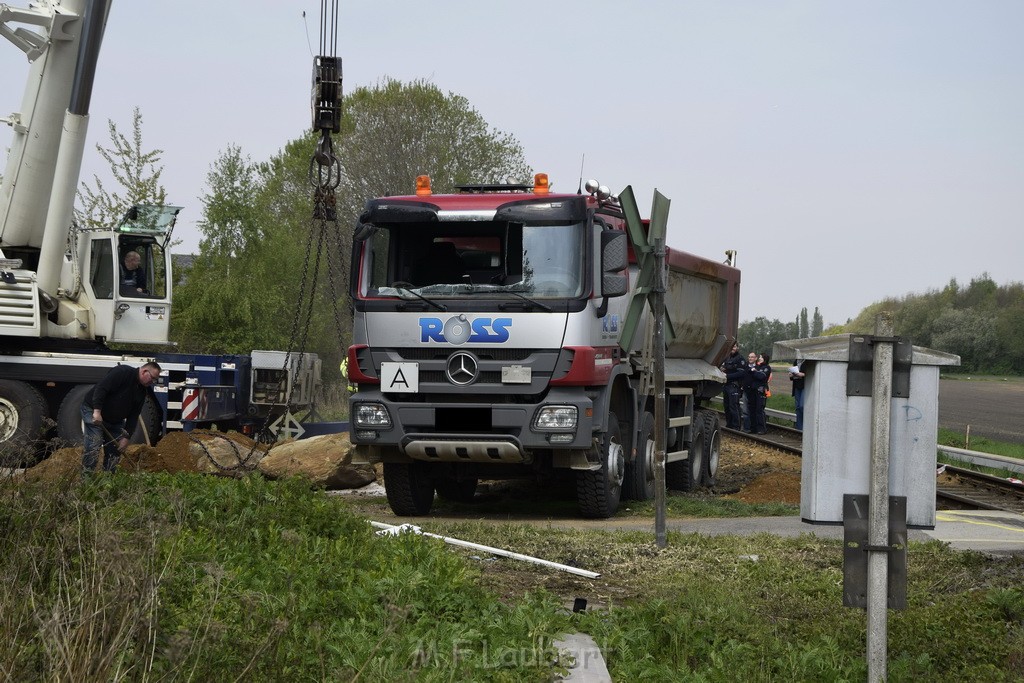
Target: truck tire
(685, 475)
(150, 424)
(22, 414)
(638, 484)
(69, 418)
(712, 446)
(69, 415)
(409, 488)
(598, 491)
(456, 490)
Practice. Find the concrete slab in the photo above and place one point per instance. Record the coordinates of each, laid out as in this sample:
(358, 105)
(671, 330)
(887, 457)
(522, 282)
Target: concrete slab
(988, 531)
(590, 666)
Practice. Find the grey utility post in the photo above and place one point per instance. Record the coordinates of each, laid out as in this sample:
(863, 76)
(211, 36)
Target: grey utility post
(869, 448)
(878, 501)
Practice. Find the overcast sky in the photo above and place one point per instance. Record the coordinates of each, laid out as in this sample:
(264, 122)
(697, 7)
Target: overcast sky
(848, 150)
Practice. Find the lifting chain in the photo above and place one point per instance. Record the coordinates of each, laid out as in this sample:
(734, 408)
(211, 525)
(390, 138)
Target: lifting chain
(324, 242)
(242, 464)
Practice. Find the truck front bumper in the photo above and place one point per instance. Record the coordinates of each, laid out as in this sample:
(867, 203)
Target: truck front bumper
(467, 431)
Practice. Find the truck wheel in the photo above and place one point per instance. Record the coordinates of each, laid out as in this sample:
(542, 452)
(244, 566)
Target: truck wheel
(638, 483)
(456, 490)
(22, 413)
(598, 491)
(150, 417)
(712, 446)
(69, 415)
(409, 488)
(69, 418)
(685, 475)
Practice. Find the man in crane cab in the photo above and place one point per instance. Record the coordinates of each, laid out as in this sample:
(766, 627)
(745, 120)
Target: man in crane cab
(133, 277)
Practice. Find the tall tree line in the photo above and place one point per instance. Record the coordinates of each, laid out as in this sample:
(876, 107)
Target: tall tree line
(983, 323)
(759, 334)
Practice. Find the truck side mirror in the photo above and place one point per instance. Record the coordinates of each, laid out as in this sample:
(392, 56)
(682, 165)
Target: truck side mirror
(614, 260)
(363, 231)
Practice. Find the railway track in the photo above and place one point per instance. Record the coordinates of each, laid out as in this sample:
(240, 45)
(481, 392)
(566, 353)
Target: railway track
(784, 438)
(957, 487)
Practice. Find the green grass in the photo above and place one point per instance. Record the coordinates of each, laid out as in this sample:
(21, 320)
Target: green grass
(954, 439)
(204, 578)
(190, 577)
(765, 608)
(783, 402)
(693, 505)
(558, 500)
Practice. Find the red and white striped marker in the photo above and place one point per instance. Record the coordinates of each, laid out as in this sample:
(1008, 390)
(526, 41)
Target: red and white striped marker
(190, 405)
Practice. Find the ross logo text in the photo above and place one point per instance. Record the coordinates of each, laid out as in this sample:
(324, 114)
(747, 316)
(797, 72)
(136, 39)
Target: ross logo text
(460, 330)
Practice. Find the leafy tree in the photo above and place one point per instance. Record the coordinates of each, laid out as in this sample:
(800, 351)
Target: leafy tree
(135, 171)
(970, 334)
(983, 323)
(1009, 325)
(759, 334)
(243, 289)
(395, 131)
(817, 322)
(261, 253)
(805, 330)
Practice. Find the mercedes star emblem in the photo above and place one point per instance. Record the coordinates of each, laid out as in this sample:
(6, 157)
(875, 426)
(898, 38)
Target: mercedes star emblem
(462, 368)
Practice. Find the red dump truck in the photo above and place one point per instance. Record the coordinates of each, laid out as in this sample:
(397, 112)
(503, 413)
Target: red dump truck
(504, 331)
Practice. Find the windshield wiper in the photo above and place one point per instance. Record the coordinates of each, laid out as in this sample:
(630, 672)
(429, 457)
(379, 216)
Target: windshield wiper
(528, 300)
(402, 287)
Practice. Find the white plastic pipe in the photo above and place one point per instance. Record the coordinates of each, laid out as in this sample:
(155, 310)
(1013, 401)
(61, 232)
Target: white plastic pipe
(410, 528)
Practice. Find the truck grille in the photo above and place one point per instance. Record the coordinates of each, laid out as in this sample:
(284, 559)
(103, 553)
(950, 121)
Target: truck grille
(501, 355)
(433, 378)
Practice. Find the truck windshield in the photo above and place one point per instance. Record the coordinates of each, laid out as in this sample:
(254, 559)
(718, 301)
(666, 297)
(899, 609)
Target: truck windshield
(478, 258)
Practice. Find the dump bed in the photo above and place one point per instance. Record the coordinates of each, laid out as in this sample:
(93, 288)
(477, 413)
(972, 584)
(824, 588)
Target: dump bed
(702, 307)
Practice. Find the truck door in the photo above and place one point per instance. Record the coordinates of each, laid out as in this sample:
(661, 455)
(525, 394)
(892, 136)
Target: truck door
(100, 282)
(141, 302)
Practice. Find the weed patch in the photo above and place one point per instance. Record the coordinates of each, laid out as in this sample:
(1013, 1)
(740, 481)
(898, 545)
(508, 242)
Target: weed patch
(158, 576)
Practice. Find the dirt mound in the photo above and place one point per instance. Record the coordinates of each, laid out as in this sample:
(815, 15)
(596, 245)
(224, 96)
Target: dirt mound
(754, 473)
(174, 453)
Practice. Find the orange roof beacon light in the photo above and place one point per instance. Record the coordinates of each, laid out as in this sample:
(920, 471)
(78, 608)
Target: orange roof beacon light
(540, 184)
(422, 185)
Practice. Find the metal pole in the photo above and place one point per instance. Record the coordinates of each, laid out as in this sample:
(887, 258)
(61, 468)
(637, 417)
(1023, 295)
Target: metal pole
(659, 394)
(878, 500)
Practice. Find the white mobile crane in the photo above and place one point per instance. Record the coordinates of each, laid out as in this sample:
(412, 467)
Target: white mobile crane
(63, 290)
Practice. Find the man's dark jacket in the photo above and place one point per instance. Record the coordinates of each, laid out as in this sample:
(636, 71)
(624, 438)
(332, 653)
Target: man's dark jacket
(119, 396)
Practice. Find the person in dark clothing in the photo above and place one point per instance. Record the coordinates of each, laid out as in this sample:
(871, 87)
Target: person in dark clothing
(133, 277)
(797, 378)
(735, 369)
(744, 403)
(110, 409)
(756, 390)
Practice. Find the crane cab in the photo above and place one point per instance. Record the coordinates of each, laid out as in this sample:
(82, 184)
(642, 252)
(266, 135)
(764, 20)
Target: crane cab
(126, 273)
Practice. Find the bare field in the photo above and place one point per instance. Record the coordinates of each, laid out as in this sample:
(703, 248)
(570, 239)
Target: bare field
(991, 407)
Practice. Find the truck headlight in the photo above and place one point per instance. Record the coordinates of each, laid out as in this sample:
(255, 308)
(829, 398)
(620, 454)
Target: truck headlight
(371, 416)
(555, 417)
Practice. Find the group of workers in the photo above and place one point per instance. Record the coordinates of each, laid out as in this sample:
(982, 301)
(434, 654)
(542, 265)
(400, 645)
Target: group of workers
(747, 389)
